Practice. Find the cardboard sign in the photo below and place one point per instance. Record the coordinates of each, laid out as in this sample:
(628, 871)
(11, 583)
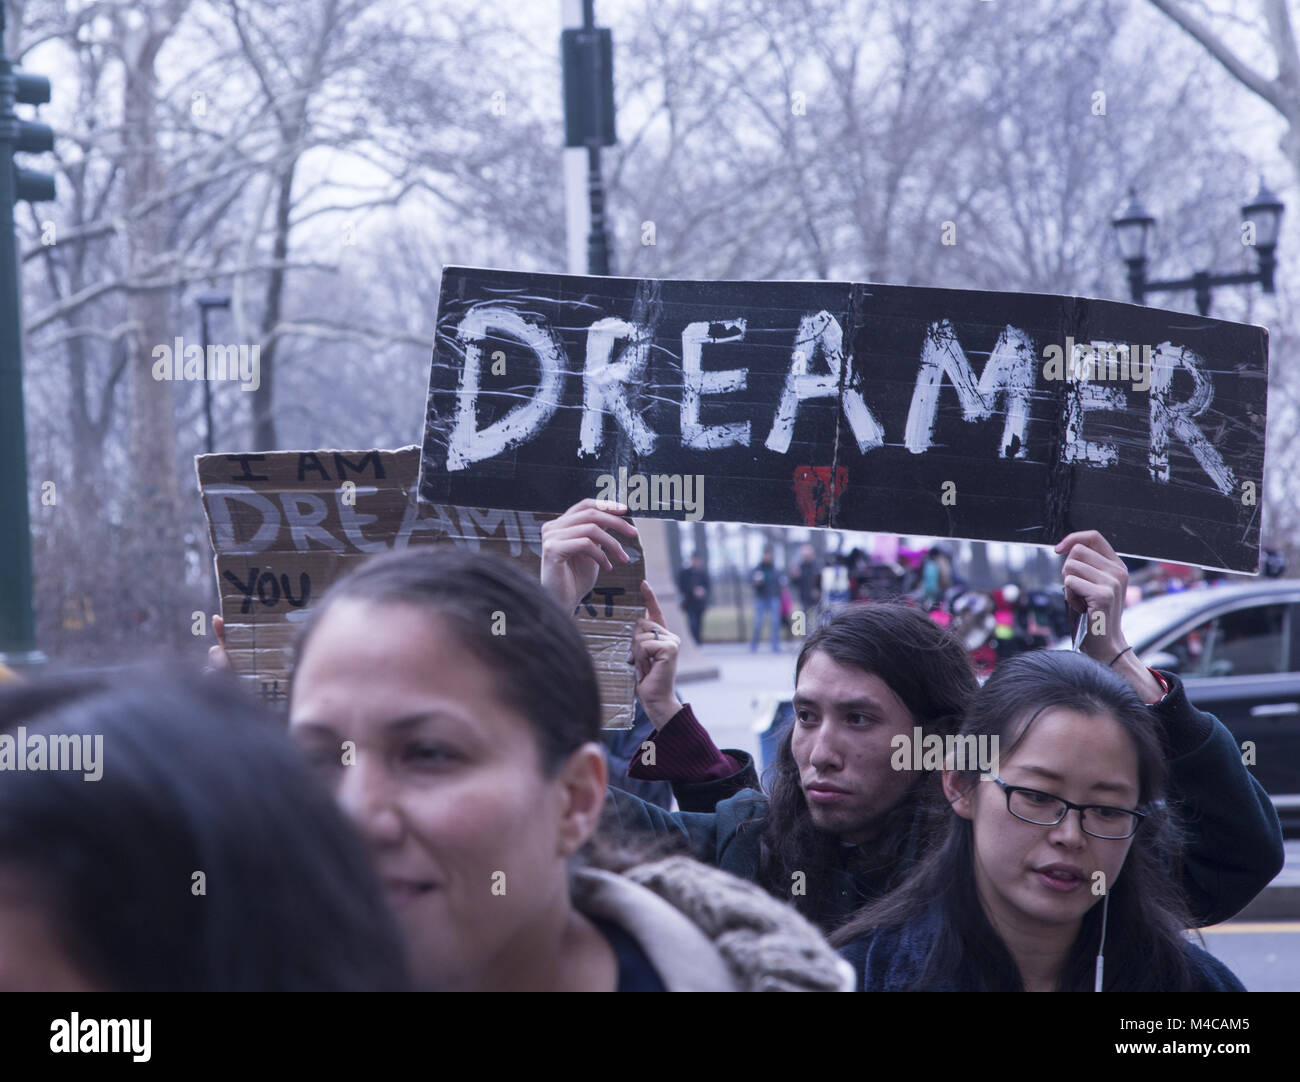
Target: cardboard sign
(287, 524)
(939, 412)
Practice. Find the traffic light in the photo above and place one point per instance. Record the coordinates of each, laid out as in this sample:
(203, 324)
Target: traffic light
(588, 56)
(30, 137)
(17, 613)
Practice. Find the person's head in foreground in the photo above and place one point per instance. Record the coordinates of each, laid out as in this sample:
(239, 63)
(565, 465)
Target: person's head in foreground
(1068, 835)
(454, 709)
(873, 674)
(181, 846)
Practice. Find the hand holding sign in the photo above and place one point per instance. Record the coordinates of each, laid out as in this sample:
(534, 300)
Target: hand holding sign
(578, 545)
(1096, 583)
(851, 405)
(654, 655)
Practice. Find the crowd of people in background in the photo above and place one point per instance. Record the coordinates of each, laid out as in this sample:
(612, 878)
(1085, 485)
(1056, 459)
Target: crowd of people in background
(439, 812)
(995, 623)
(788, 602)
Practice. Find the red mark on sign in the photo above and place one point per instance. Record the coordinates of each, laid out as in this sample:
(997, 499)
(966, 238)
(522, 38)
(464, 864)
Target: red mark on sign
(815, 493)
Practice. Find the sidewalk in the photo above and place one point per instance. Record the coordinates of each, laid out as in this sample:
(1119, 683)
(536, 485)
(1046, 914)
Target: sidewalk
(747, 683)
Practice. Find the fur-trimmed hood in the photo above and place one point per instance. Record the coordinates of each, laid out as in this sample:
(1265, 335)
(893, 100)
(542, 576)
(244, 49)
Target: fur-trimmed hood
(705, 930)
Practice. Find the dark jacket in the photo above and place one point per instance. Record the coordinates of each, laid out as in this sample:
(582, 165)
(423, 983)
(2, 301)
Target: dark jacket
(893, 960)
(687, 581)
(622, 746)
(1233, 843)
(766, 581)
(728, 839)
(1233, 839)
(808, 578)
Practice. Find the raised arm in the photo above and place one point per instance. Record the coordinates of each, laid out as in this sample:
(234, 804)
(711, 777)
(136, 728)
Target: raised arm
(575, 547)
(683, 753)
(1234, 841)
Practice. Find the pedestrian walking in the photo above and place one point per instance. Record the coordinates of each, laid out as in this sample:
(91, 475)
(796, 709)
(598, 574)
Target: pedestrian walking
(695, 592)
(766, 581)
(808, 583)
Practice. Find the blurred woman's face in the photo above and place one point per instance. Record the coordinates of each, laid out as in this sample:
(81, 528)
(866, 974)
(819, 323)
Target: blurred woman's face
(445, 782)
(1031, 876)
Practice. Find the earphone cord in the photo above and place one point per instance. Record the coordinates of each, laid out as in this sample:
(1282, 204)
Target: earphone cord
(1101, 963)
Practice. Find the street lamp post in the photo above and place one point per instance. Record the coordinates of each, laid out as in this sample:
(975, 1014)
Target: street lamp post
(206, 301)
(1262, 215)
(589, 118)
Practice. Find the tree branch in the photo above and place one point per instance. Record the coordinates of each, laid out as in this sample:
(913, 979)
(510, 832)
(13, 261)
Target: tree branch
(65, 307)
(1217, 48)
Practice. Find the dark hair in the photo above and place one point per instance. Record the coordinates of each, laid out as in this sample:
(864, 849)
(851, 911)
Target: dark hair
(930, 671)
(1144, 943)
(195, 778)
(541, 663)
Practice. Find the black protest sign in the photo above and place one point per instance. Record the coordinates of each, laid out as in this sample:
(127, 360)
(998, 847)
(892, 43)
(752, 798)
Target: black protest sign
(286, 524)
(993, 416)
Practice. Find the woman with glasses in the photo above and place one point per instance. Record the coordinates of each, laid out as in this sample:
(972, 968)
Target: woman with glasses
(1052, 874)
(829, 818)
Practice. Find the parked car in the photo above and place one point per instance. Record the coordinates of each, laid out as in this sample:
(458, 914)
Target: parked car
(1237, 650)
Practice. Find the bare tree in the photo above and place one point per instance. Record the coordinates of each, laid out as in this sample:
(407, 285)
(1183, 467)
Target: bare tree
(1281, 91)
(323, 161)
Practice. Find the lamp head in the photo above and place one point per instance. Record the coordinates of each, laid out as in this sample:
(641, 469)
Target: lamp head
(1132, 227)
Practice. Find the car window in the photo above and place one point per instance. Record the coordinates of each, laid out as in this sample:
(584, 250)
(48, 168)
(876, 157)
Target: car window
(1250, 641)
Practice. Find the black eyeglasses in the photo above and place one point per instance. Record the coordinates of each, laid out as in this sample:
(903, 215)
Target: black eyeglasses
(1045, 810)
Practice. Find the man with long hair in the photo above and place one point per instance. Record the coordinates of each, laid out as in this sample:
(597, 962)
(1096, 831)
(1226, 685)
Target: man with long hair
(839, 825)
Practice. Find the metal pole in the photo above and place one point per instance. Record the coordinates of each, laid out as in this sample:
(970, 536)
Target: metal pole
(1201, 283)
(1137, 275)
(576, 211)
(207, 386)
(597, 240)
(17, 613)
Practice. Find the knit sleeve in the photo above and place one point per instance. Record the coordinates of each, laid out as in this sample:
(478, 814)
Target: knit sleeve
(682, 751)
